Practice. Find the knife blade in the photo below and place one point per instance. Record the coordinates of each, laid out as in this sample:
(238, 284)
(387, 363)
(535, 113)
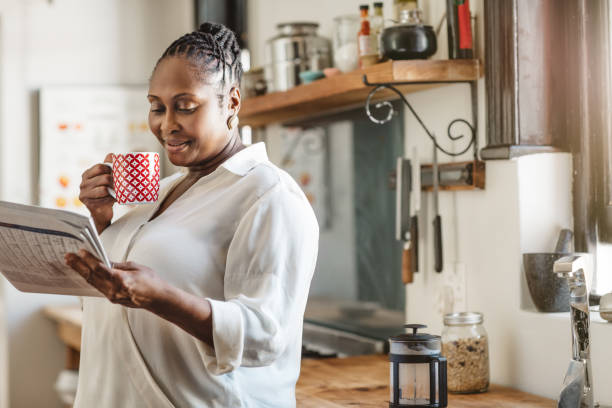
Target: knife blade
(416, 205)
(402, 226)
(437, 222)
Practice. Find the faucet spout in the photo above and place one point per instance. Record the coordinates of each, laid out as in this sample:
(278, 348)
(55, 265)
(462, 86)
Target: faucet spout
(573, 268)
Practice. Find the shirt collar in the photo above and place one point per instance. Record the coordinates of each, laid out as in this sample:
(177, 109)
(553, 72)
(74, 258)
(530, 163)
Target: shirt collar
(243, 161)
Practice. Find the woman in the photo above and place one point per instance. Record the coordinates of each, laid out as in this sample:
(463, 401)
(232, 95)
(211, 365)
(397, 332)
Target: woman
(215, 318)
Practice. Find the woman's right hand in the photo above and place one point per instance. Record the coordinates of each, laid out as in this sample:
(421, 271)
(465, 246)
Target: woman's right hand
(94, 193)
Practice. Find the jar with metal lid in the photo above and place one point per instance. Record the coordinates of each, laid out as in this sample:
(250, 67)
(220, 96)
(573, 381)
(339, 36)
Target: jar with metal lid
(465, 346)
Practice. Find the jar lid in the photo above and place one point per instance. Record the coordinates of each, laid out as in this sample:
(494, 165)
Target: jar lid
(414, 336)
(298, 28)
(411, 17)
(463, 318)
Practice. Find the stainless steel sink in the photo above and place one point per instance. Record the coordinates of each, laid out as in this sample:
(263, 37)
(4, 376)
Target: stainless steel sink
(332, 342)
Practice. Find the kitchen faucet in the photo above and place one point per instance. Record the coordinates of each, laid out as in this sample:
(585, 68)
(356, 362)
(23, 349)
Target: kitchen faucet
(577, 389)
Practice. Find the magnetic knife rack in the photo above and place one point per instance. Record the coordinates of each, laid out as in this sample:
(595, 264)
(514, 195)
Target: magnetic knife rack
(452, 176)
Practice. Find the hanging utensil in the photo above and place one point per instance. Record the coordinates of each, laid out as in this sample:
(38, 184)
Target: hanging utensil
(416, 201)
(402, 216)
(437, 222)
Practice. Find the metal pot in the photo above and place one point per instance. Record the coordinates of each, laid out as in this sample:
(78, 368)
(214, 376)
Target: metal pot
(295, 49)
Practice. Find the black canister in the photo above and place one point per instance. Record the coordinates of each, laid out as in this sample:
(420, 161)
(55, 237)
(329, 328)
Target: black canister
(418, 371)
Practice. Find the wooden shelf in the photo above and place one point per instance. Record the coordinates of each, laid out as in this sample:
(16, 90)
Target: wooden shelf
(346, 91)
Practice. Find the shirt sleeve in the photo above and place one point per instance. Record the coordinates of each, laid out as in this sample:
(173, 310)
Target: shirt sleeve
(270, 263)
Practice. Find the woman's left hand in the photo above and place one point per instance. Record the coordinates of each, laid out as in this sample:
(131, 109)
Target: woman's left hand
(128, 284)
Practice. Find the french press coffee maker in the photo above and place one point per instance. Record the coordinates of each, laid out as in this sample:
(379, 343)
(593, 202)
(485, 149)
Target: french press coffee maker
(418, 371)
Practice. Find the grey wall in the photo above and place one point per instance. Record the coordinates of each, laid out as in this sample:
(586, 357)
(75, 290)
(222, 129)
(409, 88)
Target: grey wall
(379, 255)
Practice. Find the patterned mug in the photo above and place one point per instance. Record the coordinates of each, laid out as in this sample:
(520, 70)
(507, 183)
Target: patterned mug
(135, 177)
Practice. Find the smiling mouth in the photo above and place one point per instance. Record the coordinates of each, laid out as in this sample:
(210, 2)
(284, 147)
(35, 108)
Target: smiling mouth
(176, 146)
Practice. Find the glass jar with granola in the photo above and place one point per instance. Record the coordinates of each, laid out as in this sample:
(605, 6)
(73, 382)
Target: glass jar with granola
(465, 346)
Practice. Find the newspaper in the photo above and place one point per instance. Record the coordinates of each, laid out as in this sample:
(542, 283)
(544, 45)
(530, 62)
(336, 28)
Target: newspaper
(33, 242)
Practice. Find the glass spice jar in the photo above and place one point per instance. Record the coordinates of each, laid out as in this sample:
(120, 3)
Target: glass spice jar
(346, 49)
(465, 346)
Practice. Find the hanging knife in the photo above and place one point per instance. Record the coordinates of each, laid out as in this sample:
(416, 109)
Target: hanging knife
(416, 200)
(437, 222)
(402, 216)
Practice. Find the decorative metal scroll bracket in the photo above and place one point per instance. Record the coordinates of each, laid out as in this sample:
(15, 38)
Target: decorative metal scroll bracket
(390, 112)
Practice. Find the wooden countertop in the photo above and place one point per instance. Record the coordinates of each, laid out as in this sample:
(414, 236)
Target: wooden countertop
(364, 382)
(336, 382)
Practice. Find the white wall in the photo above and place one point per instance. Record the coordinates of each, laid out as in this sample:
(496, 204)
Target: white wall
(84, 42)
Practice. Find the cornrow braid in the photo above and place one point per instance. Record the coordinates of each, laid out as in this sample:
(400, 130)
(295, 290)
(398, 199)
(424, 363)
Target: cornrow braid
(212, 47)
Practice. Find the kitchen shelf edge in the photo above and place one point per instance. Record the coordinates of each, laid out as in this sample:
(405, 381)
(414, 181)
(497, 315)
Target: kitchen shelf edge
(345, 91)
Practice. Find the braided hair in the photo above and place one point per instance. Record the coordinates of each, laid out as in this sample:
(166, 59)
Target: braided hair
(212, 48)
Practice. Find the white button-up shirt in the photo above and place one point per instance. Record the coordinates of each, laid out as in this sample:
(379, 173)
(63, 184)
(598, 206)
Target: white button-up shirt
(245, 238)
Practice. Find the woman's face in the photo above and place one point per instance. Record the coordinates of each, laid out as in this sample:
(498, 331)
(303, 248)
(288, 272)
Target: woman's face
(185, 115)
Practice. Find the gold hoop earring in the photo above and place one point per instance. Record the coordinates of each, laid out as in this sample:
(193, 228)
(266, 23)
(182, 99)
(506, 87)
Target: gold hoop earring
(232, 122)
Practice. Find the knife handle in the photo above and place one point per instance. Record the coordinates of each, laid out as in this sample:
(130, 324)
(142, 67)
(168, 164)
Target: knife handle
(407, 263)
(414, 242)
(438, 262)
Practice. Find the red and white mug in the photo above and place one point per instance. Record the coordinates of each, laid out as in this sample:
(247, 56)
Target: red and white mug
(135, 177)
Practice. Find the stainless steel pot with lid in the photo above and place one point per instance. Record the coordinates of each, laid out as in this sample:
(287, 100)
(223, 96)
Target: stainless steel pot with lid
(295, 49)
